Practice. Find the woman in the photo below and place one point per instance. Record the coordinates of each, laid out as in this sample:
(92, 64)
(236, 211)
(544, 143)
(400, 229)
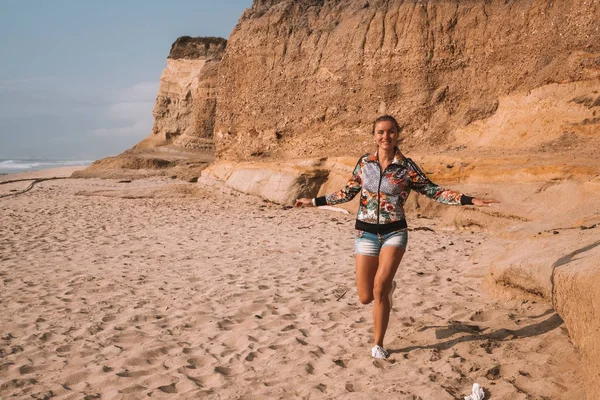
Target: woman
(384, 180)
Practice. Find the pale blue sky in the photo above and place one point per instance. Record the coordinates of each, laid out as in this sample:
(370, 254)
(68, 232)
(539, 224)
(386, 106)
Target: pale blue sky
(78, 79)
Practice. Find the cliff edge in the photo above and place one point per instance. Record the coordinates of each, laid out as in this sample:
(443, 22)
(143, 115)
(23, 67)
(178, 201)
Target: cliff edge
(181, 141)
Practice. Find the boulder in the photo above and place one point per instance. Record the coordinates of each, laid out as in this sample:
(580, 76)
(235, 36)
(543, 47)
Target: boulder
(280, 183)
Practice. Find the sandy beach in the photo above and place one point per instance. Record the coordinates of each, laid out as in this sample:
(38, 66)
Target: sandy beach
(165, 289)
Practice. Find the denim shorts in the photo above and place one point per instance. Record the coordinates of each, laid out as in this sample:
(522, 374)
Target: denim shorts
(370, 244)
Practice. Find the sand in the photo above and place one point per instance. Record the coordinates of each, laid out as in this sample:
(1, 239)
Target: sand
(164, 289)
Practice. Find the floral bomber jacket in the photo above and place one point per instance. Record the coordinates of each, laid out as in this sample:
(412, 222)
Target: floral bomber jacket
(382, 194)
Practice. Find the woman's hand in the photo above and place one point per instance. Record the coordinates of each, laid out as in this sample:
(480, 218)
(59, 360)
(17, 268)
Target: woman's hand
(304, 202)
(483, 202)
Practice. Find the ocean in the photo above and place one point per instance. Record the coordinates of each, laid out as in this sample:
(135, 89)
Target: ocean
(13, 166)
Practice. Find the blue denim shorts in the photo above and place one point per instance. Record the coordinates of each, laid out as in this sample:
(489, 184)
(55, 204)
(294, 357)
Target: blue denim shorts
(370, 244)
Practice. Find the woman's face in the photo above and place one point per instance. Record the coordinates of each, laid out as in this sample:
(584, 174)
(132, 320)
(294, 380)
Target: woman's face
(386, 135)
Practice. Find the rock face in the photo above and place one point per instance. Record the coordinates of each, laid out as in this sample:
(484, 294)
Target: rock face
(181, 142)
(576, 276)
(187, 96)
(277, 182)
(308, 77)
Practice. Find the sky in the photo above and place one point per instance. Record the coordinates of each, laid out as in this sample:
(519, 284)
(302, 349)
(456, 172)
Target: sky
(78, 79)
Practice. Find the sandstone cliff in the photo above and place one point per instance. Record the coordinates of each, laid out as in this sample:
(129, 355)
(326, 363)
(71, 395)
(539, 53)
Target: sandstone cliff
(187, 96)
(181, 142)
(308, 77)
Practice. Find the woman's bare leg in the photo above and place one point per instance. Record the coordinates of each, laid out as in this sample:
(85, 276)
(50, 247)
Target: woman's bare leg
(389, 260)
(366, 268)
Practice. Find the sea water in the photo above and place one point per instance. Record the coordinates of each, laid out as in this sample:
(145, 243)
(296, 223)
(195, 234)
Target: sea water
(13, 166)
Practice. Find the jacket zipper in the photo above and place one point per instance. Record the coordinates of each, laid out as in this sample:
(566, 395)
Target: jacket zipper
(381, 174)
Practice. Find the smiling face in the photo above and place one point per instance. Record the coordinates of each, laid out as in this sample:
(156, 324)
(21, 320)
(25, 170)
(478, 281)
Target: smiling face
(386, 135)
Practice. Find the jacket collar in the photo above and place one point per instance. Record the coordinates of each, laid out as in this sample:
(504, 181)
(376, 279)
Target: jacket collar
(397, 160)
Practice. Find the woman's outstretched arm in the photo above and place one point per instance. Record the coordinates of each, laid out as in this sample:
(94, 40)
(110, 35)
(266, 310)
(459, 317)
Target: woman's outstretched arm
(476, 201)
(422, 184)
(344, 195)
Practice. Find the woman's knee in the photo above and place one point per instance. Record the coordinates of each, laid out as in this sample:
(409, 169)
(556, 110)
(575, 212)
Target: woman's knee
(380, 290)
(365, 298)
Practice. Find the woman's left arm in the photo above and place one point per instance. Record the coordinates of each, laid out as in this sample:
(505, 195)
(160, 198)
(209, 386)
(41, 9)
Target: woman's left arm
(483, 202)
(422, 184)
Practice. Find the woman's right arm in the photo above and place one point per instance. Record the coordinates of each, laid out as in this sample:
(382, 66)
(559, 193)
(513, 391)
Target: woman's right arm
(344, 195)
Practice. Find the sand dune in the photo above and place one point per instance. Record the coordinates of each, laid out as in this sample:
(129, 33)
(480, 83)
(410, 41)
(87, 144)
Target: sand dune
(173, 290)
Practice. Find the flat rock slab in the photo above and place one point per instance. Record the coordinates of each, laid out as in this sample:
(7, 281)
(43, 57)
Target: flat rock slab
(279, 183)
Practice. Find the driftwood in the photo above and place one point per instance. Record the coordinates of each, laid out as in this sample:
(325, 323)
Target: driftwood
(342, 295)
(31, 185)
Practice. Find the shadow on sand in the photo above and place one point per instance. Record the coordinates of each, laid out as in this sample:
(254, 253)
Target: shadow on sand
(476, 333)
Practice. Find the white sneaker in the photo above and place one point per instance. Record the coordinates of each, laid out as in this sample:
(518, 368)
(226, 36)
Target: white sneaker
(391, 295)
(379, 352)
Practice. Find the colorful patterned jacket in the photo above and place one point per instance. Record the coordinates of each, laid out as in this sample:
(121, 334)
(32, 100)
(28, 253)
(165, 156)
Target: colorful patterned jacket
(382, 195)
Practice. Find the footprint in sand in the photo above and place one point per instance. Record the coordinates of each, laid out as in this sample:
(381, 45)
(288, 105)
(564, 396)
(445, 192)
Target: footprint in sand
(309, 368)
(130, 389)
(336, 316)
(133, 374)
(168, 388)
(76, 378)
(225, 325)
(223, 370)
(154, 353)
(108, 318)
(200, 362)
(63, 349)
(266, 349)
(482, 316)
(27, 369)
(136, 361)
(211, 381)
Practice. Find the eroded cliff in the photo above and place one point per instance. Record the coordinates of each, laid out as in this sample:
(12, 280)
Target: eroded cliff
(306, 78)
(187, 96)
(181, 142)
